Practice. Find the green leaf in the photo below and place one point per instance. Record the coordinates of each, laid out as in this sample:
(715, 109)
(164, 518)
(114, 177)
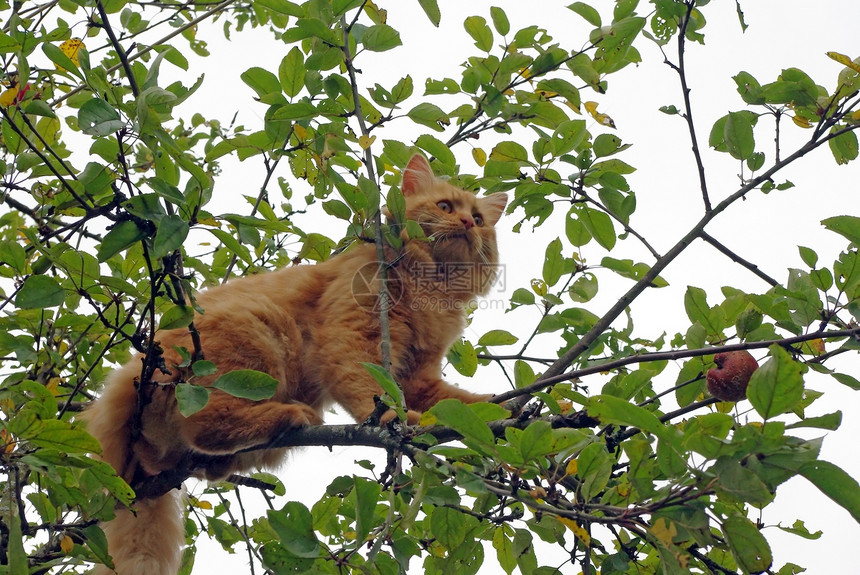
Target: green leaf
(844, 147)
(436, 148)
(553, 264)
(477, 28)
(611, 409)
(122, 236)
(748, 545)
(191, 398)
(591, 15)
(504, 550)
(599, 225)
(57, 56)
(293, 112)
(172, 231)
(8, 44)
(248, 384)
(176, 316)
(232, 244)
(98, 118)
(847, 226)
(431, 9)
(429, 115)
(291, 72)
(203, 367)
(463, 357)
(498, 337)
(166, 191)
(776, 386)
(799, 529)
(500, 20)
(460, 417)
(380, 38)
(739, 138)
(835, 484)
(294, 526)
(283, 7)
(16, 556)
(97, 542)
(39, 292)
(261, 81)
(386, 381)
(749, 88)
(536, 440)
(594, 467)
(448, 526)
(848, 380)
(584, 288)
(366, 497)
(696, 305)
(831, 421)
(65, 437)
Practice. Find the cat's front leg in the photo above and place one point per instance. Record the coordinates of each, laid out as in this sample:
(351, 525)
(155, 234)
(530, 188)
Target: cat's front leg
(427, 388)
(228, 424)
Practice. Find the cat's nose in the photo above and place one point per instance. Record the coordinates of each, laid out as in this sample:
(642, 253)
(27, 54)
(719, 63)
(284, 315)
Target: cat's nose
(468, 222)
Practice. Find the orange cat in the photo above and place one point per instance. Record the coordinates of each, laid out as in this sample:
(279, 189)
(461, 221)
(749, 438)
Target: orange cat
(309, 327)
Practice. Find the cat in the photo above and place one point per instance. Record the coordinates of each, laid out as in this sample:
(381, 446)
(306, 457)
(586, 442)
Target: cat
(310, 327)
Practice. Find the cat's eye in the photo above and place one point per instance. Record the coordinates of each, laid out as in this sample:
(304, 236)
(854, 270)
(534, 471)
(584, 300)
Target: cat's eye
(479, 220)
(445, 206)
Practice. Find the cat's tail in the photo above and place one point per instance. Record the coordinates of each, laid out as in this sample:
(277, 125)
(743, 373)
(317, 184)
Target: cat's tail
(149, 540)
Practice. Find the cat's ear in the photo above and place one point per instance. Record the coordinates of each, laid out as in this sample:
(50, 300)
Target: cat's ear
(417, 176)
(492, 207)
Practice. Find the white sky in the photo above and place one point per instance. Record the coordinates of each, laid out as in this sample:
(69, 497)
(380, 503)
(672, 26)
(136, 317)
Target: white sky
(763, 229)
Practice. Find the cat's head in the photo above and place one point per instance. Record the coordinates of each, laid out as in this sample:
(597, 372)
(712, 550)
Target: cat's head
(459, 224)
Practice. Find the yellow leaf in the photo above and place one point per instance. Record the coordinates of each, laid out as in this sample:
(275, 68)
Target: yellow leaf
(623, 489)
(855, 117)
(480, 156)
(725, 406)
(602, 119)
(537, 492)
(71, 47)
(814, 346)
(366, 141)
(53, 386)
(565, 405)
(664, 530)
(66, 544)
(844, 60)
(427, 418)
(8, 442)
(300, 131)
(572, 467)
(203, 504)
(526, 72)
(7, 404)
(572, 107)
(578, 531)
(7, 98)
(802, 122)
(539, 287)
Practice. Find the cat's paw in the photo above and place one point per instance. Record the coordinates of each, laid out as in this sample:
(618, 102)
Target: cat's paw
(301, 415)
(412, 417)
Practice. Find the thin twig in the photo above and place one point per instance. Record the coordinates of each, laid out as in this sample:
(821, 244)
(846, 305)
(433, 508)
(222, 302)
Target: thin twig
(737, 259)
(384, 303)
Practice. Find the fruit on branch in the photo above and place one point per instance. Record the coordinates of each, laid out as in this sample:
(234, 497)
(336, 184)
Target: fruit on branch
(728, 381)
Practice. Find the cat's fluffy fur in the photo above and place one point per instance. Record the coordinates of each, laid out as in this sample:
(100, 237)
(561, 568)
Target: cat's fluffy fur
(309, 327)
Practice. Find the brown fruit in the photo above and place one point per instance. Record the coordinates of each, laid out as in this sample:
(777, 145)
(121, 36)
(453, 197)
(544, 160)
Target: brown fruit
(728, 381)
